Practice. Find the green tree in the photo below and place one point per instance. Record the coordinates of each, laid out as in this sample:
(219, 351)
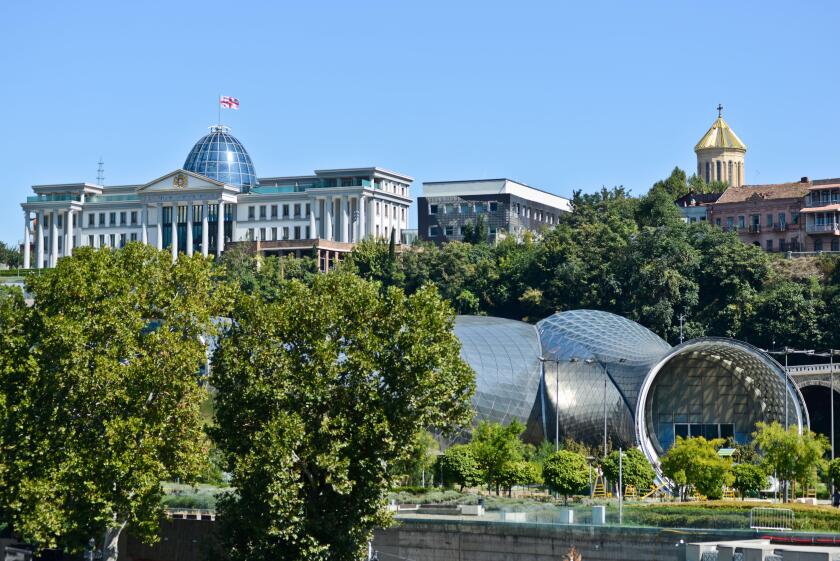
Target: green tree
(494, 446)
(420, 459)
(695, 462)
(635, 469)
(789, 455)
(476, 232)
(834, 471)
(458, 466)
(675, 186)
(318, 393)
(520, 472)
(10, 255)
(101, 379)
(749, 479)
(566, 473)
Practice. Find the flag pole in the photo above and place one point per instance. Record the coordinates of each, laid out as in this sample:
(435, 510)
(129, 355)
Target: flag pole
(219, 102)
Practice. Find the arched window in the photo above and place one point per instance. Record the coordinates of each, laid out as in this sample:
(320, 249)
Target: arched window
(699, 169)
(708, 172)
(729, 175)
(719, 176)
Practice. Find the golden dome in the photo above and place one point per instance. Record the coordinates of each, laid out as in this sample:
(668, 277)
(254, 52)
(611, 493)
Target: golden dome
(720, 136)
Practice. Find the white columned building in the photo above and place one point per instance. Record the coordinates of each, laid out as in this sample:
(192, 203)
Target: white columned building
(321, 215)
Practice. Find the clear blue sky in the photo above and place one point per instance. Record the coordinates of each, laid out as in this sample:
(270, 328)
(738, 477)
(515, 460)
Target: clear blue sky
(559, 95)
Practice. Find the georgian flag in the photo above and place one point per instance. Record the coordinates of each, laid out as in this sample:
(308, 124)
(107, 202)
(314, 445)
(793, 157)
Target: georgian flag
(229, 102)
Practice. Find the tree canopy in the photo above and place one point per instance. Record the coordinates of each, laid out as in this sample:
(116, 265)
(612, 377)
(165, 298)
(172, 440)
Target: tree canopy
(320, 393)
(101, 379)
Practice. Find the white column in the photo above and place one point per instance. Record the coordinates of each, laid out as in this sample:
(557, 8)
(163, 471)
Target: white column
(345, 218)
(362, 225)
(159, 231)
(220, 229)
(26, 243)
(53, 238)
(328, 223)
(144, 225)
(205, 232)
(68, 236)
(174, 244)
(370, 217)
(39, 240)
(189, 228)
(312, 224)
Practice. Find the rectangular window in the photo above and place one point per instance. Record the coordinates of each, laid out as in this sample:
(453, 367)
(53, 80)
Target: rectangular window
(285, 232)
(308, 237)
(101, 218)
(285, 211)
(448, 208)
(101, 240)
(252, 213)
(492, 231)
(91, 219)
(479, 208)
(297, 211)
(727, 430)
(262, 234)
(434, 231)
(250, 234)
(297, 233)
(91, 240)
(741, 224)
(262, 212)
(274, 211)
(433, 209)
(717, 221)
(769, 245)
(730, 223)
(113, 240)
(782, 220)
(494, 206)
(449, 231)
(134, 236)
(122, 219)
(274, 232)
(769, 220)
(308, 211)
(122, 240)
(681, 430)
(134, 217)
(112, 220)
(794, 217)
(464, 208)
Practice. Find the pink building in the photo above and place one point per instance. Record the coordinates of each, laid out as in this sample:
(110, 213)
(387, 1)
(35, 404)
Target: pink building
(766, 215)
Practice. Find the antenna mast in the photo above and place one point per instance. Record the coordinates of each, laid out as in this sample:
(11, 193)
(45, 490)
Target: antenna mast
(100, 172)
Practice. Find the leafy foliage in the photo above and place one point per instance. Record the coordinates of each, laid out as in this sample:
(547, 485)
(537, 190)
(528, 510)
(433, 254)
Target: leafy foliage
(100, 379)
(790, 455)
(495, 448)
(749, 479)
(695, 462)
(458, 466)
(565, 472)
(635, 469)
(319, 390)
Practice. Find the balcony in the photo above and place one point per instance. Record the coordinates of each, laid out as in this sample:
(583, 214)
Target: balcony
(755, 229)
(833, 228)
(780, 227)
(817, 202)
(60, 197)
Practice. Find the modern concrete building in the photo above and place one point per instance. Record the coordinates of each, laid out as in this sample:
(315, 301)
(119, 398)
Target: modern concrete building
(720, 154)
(216, 200)
(509, 208)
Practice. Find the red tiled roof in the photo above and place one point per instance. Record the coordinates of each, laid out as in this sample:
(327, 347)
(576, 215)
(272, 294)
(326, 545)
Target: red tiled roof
(793, 190)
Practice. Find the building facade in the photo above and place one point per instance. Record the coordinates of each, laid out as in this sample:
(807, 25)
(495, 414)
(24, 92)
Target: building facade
(822, 215)
(765, 215)
(509, 208)
(216, 200)
(695, 206)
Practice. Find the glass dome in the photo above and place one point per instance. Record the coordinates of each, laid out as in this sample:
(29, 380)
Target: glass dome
(220, 156)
